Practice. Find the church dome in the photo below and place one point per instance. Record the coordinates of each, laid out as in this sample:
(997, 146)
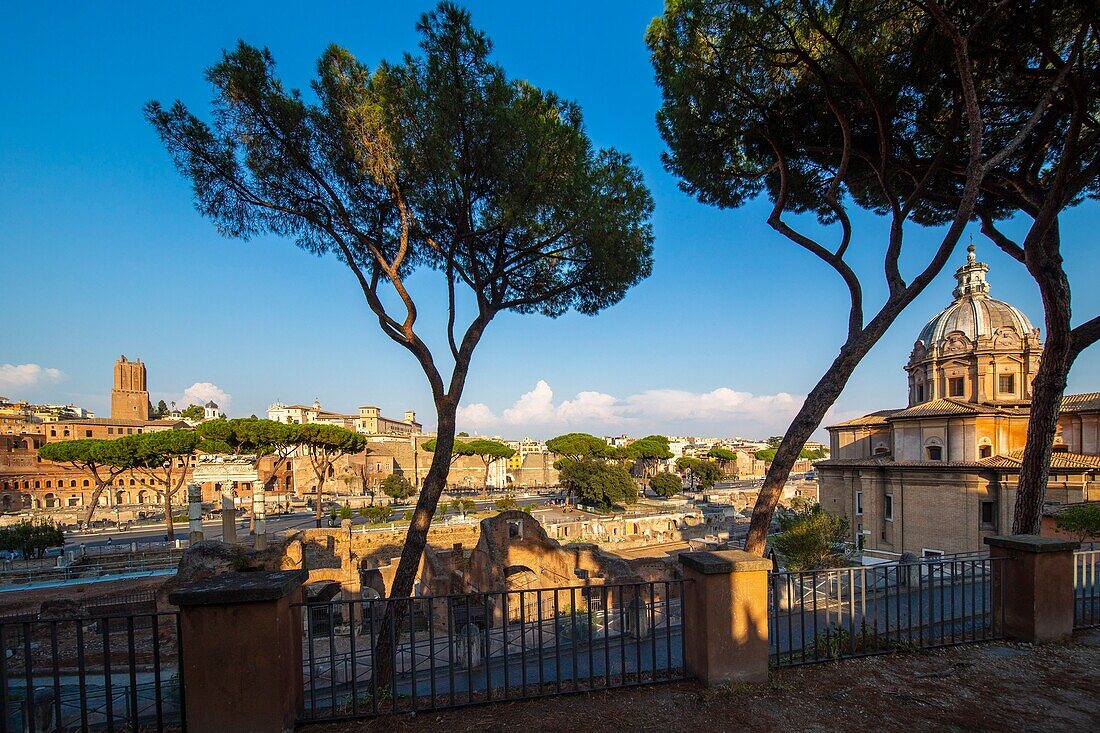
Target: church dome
(973, 312)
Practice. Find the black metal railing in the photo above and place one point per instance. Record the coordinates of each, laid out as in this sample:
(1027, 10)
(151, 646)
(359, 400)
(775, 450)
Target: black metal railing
(823, 615)
(1086, 589)
(114, 671)
(458, 650)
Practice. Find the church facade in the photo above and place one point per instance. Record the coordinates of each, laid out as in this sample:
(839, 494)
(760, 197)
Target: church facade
(939, 475)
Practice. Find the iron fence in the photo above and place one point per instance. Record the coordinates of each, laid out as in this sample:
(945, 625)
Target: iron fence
(1086, 589)
(89, 569)
(115, 671)
(458, 650)
(822, 615)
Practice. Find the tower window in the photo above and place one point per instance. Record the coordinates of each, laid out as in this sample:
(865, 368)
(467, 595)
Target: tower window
(888, 508)
(920, 393)
(956, 387)
(1006, 383)
(935, 453)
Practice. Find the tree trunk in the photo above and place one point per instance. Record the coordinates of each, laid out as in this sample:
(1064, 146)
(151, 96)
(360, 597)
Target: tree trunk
(170, 530)
(320, 494)
(416, 539)
(1045, 265)
(809, 417)
(93, 504)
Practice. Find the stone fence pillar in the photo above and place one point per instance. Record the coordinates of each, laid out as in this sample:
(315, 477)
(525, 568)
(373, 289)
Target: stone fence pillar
(725, 616)
(1032, 586)
(242, 652)
(194, 513)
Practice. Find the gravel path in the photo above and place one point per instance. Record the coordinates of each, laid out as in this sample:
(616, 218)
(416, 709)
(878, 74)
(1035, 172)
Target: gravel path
(992, 687)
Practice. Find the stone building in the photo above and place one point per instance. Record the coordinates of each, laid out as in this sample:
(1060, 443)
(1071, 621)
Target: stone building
(940, 474)
(28, 483)
(368, 420)
(130, 394)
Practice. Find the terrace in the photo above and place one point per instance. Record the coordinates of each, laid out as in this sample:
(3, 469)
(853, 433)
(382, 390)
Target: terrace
(731, 640)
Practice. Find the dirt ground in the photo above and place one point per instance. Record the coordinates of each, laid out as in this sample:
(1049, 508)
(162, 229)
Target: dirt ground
(988, 687)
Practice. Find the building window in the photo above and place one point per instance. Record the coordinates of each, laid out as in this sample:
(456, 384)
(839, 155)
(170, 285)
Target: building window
(935, 453)
(988, 513)
(985, 451)
(87, 433)
(920, 393)
(53, 433)
(1006, 383)
(956, 387)
(859, 503)
(888, 508)
(110, 431)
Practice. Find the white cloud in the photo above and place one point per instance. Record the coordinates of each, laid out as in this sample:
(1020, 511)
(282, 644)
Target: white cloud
(200, 393)
(665, 410)
(27, 375)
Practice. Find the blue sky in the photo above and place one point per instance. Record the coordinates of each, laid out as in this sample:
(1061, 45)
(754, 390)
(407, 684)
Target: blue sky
(103, 252)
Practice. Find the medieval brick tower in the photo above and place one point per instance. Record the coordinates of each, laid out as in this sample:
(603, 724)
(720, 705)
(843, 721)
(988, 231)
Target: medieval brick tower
(130, 396)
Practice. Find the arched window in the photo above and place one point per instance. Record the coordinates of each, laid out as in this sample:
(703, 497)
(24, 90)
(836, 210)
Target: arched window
(933, 449)
(985, 448)
(72, 483)
(86, 484)
(50, 501)
(47, 483)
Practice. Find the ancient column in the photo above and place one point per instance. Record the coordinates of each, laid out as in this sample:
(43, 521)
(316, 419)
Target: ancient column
(194, 512)
(259, 514)
(229, 513)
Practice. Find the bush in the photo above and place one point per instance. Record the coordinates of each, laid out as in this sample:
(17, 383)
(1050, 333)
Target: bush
(1080, 520)
(397, 487)
(32, 539)
(811, 539)
(599, 484)
(506, 504)
(666, 485)
(376, 514)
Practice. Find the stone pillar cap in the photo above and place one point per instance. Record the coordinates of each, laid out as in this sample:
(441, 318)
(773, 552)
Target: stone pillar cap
(1032, 543)
(723, 562)
(230, 588)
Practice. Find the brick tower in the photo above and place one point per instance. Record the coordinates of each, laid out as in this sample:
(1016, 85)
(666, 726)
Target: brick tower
(130, 396)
